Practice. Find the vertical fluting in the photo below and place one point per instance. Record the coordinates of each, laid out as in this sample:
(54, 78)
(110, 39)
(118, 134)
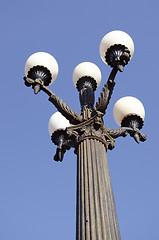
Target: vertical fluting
(96, 212)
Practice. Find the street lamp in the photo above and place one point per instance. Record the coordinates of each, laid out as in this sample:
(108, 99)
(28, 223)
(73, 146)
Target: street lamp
(96, 216)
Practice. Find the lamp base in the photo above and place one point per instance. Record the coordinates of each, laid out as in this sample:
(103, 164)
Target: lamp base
(132, 121)
(86, 82)
(40, 72)
(86, 87)
(58, 136)
(118, 56)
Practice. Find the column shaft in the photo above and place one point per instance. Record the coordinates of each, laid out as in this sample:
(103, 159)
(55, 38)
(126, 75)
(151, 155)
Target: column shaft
(96, 212)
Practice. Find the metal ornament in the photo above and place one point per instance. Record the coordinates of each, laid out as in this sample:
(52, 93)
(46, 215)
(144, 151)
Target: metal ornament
(134, 122)
(41, 73)
(118, 56)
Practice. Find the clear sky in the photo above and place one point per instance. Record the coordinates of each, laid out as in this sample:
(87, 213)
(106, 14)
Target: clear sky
(37, 194)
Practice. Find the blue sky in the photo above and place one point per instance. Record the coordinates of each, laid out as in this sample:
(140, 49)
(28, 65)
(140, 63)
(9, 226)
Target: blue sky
(38, 195)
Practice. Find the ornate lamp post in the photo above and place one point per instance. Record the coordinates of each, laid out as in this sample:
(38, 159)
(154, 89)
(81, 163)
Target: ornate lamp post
(86, 133)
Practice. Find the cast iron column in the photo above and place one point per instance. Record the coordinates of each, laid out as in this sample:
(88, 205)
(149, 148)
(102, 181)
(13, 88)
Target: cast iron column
(96, 212)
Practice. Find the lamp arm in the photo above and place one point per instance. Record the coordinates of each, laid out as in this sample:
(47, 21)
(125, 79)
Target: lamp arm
(61, 106)
(72, 116)
(123, 131)
(106, 93)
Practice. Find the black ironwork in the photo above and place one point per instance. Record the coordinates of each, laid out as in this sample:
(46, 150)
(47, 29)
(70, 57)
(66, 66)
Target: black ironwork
(118, 56)
(134, 122)
(96, 213)
(60, 139)
(106, 93)
(86, 87)
(41, 73)
(90, 122)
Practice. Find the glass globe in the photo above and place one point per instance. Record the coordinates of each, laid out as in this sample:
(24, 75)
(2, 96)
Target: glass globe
(115, 38)
(87, 69)
(42, 59)
(126, 106)
(57, 121)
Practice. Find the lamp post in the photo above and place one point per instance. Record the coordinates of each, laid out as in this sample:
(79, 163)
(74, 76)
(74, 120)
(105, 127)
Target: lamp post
(96, 216)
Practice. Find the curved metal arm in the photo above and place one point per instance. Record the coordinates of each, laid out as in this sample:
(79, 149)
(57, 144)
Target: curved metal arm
(73, 117)
(123, 131)
(106, 93)
(68, 113)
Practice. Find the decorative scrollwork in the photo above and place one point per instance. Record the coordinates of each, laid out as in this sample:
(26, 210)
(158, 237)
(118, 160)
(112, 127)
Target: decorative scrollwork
(91, 126)
(121, 132)
(68, 113)
(106, 93)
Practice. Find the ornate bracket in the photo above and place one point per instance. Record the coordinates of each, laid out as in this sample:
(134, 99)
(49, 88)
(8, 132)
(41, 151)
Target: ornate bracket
(91, 129)
(117, 57)
(87, 126)
(123, 131)
(72, 136)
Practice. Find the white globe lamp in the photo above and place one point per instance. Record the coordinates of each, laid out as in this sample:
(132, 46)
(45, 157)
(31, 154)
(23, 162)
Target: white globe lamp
(116, 49)
(89, 71)
(129, 109)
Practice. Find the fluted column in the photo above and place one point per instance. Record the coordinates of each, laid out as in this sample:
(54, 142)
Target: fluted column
(96, 212)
